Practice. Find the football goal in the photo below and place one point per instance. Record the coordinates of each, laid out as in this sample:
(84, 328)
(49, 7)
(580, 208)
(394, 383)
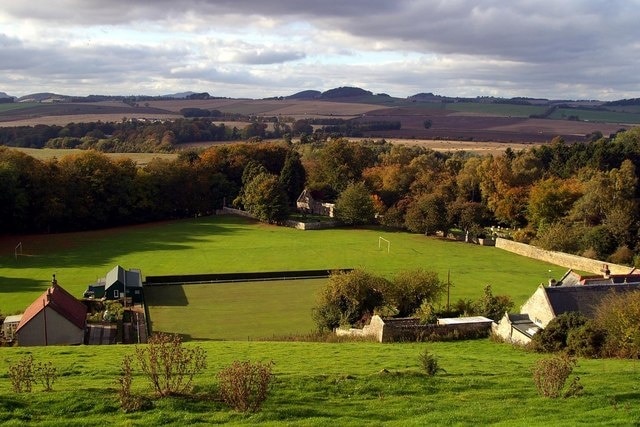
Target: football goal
(382, 241)
(18, 250)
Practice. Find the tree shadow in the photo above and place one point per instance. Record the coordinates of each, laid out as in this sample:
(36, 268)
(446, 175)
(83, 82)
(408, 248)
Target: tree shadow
(15, 284)
(100, 247)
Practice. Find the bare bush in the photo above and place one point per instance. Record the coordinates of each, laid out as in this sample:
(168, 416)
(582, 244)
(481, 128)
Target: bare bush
(46, 374)
(169, 366)
(128, 401)
(551, 374)
(244, 386)
(21, 375)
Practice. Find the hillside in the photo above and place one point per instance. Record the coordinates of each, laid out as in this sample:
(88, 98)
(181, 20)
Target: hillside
(421, 116)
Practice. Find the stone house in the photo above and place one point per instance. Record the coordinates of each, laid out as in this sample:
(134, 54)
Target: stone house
(54, 318)
(573, 293)
(313, 202)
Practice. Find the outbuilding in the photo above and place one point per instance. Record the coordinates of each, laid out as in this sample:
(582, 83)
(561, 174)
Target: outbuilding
(54, 318)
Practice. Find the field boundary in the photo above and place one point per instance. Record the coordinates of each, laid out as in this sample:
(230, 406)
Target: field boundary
(573, 262)
(187, 279)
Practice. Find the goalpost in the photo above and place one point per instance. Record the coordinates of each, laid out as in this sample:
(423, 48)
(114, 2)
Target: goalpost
(18, 250)
(382, 239)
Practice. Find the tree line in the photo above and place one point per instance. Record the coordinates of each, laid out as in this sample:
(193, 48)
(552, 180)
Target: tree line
(579, 198)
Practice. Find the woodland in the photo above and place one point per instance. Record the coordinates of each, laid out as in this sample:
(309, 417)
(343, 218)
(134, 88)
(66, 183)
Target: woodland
(580, 198)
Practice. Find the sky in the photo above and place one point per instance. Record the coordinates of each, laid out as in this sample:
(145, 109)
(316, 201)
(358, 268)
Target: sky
(558, 49)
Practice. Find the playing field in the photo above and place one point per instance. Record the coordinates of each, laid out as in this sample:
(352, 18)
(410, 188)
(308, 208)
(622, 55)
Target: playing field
(233, 311)
(224, 244)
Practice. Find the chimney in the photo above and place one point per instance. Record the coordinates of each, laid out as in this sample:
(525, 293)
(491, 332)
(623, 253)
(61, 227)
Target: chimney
(54, 282)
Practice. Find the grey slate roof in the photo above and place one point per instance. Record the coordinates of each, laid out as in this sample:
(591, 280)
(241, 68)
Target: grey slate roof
(585, 298)
(130, 278)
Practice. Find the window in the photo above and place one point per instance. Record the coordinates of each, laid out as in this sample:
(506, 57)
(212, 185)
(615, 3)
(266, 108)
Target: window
(116, 293)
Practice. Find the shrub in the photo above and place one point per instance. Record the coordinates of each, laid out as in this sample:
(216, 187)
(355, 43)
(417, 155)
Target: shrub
(622, 255)
(586, 341)
(429, 363)
(348, 298)
(26, 372)
(411, 289)
(554, 337)
(244, 386)
(46, 374)
(493, 306)
(619, 315)
(168, 365)
(21, 375)
(128, 401)
(550, 375)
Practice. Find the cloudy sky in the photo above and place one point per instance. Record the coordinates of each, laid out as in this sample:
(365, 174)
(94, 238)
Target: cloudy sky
(587, 49)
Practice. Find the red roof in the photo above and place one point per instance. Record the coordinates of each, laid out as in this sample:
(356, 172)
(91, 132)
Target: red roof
(62, 302)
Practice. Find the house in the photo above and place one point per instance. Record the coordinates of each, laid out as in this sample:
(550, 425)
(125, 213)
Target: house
(312, 202)
(9, 327)
(54, 318)
(117, 284)
(572, 293)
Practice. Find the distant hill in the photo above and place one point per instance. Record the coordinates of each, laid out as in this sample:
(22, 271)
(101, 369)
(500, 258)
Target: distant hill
(305, 94)
(4, 95)
(179, 95)
(43, 97)
(345, 92)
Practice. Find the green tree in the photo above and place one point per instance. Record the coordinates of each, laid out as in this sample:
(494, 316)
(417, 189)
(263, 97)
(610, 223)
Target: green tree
(427, 214)
(348, 299)
(293, 176)
(410, 289)
(264, 198)
(354, 205)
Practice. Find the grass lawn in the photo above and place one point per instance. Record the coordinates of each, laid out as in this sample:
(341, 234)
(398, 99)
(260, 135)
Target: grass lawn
(234, 244)
(334, 384)
(241, 310)
(44, 154)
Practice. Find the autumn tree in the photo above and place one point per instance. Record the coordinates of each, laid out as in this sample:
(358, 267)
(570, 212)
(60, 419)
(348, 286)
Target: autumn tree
(354, 205)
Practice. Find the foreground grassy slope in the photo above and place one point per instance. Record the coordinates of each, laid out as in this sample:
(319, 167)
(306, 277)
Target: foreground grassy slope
(335, 384)
(232, 244)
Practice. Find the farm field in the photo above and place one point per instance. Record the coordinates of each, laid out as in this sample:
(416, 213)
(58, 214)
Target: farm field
(44, 154)
(345, 384)
(222, 244)
(233, 311)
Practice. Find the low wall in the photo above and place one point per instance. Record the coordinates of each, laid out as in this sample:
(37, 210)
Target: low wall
(232, 211)
(410, 329)
(318, 225)
(573, 262)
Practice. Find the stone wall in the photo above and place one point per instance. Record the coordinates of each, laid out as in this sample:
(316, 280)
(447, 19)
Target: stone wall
(410, 329)
(573, 262)
(318, 225)
(231, 211)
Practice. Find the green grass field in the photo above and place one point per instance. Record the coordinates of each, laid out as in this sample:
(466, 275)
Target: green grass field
(345, 384)
(505, 110)
(16, 106)
(44, 154)
(232, 311)
(233, 244)
(597, 116)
